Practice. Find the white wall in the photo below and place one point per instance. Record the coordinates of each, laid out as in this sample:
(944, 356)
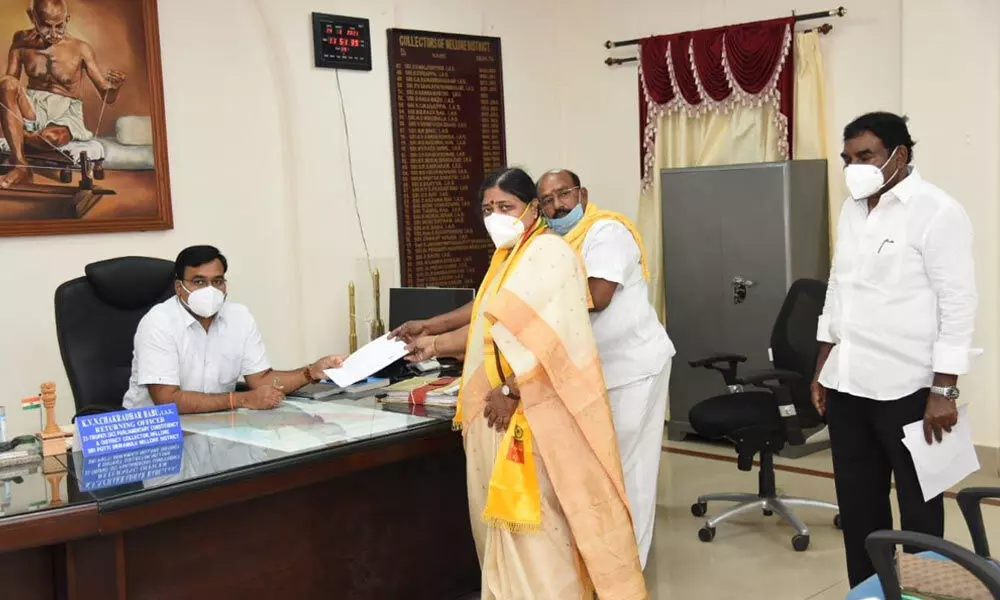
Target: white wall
(258, 164)
(951, 91)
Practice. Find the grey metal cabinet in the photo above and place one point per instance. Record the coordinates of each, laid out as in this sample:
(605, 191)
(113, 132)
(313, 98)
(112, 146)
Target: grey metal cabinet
(729, 229)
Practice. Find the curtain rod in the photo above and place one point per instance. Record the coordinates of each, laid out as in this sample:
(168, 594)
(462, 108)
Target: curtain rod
(836, 12)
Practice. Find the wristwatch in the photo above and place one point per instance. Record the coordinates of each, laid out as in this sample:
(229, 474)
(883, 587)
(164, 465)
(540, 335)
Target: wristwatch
(950, 392)
(507, 392)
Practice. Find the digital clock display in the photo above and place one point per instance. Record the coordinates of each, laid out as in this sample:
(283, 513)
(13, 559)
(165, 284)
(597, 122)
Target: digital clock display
(342, 42)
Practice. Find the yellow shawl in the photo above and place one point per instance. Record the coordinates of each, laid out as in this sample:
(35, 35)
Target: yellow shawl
(591, 216)
(533, 308)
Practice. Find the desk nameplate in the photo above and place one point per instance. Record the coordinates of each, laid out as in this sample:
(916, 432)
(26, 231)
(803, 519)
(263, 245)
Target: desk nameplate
(121, 431)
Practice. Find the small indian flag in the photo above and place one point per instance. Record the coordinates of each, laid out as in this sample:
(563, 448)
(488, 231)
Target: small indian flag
(31, 403)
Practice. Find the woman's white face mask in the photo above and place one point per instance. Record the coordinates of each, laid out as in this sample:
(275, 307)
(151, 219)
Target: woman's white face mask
(505, 230)
(865, 181)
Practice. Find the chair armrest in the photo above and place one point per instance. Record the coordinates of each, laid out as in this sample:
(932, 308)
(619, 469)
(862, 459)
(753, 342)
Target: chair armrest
(716, 362)
(969, 501)
(759, 377)
(881, 547)
(785, 403)
(718, 358)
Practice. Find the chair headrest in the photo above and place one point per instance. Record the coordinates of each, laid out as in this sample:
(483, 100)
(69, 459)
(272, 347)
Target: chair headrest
(130, 282)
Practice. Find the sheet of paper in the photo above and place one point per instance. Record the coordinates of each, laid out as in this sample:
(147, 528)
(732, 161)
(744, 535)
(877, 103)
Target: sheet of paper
(374, 356)
(940, 466)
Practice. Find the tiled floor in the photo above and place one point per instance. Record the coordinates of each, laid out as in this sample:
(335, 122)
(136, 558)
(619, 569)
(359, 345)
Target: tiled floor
(752, 556)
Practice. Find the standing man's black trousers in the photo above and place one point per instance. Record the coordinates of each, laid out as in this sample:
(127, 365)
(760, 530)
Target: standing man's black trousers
(866, 438)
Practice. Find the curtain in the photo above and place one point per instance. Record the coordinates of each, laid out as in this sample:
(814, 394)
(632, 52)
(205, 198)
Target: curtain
(810, 119)
(730, 98)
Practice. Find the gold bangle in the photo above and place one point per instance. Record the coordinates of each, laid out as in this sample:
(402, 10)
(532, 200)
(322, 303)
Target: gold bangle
(434, 341)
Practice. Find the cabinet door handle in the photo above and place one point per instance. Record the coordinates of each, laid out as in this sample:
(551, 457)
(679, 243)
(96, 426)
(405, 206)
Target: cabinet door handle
(741, 286)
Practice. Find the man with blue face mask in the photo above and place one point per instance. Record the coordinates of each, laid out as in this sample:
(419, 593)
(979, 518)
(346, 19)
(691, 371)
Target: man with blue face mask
(896, 332)
(191, 349)
(634, 348)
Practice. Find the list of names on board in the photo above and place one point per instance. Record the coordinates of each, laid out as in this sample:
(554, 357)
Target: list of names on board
(448, 129)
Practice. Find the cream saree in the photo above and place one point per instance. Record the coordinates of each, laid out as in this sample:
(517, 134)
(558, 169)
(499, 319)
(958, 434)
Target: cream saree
(533, 306)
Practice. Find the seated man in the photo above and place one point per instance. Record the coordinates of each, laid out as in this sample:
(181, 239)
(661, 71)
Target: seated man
(191, 349)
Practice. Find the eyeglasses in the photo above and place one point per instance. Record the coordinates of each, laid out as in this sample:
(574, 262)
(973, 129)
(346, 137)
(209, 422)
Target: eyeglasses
(557, 195)
(201, 283)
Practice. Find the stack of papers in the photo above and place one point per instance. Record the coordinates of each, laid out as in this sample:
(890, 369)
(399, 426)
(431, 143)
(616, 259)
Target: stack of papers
(402, 389)
(428, 391)
(940, 466)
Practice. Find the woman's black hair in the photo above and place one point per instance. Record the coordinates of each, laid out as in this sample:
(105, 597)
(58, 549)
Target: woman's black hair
(514, 181)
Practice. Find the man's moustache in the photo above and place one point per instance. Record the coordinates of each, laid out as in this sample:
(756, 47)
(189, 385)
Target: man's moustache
(560, 214)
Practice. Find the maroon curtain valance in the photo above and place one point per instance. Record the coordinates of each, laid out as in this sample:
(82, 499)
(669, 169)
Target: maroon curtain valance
(715, 70)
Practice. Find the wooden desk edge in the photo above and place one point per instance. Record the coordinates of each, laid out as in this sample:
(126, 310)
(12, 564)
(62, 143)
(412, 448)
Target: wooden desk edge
(255, 485)
(48, 527)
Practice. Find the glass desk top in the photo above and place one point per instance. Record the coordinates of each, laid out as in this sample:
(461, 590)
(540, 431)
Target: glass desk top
(214, 444)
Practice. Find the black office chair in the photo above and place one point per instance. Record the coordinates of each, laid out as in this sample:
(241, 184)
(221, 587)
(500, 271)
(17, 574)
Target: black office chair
(96, 319)
(933, 575)
(763, 420)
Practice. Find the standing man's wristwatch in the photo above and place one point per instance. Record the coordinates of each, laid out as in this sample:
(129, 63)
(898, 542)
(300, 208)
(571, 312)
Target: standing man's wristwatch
(950, 392)
(507, 392)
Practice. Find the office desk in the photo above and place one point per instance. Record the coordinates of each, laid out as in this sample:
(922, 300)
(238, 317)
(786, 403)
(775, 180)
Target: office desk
(376, 510)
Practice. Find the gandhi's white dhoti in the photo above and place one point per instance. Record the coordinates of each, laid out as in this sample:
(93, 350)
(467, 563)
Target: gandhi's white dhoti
(57, 110)
(639, 410)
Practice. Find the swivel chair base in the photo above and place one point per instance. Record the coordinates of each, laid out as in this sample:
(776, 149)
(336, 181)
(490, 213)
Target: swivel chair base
(769, 506)
(767, 501)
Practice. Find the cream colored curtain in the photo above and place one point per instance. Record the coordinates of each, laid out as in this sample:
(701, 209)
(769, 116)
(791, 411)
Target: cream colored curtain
(745, 135)
(809, 131)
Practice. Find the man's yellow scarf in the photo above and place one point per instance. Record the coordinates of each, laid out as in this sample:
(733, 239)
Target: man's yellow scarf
(591, 216)
(513, 500)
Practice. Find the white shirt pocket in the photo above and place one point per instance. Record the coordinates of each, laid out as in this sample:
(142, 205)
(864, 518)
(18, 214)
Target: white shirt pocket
(229, 369)
(884, 262)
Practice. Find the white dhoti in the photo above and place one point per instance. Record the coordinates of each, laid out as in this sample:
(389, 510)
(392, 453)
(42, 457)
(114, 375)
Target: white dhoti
(57, 110)
(639, 410)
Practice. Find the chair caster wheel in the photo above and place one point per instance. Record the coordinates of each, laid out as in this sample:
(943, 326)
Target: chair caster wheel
(836, 522)
(699, 509)
(706, 534)
(800, 543)
(768, 513)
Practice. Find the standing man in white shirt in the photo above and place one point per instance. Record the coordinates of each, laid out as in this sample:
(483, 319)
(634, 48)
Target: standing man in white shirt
(896, 331)
(634, 348)
(191, 349)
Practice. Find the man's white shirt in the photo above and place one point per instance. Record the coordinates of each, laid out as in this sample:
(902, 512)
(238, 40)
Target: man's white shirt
(630, 339)
(172, 348)
(901, 302)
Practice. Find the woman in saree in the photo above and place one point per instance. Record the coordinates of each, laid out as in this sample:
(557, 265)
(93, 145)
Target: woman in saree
(546, 498)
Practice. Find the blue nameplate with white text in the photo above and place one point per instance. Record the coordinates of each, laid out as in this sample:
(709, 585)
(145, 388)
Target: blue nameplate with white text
(121, 431)
(122, 468)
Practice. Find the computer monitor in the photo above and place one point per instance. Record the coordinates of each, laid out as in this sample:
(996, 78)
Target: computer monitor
(411, 304)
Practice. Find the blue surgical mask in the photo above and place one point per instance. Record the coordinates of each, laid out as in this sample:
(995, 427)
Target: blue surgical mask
(563, 225)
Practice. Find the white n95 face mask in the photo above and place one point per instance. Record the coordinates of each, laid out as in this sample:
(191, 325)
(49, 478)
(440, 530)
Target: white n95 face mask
(504, 230)
(864, 181)
(205, 302)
